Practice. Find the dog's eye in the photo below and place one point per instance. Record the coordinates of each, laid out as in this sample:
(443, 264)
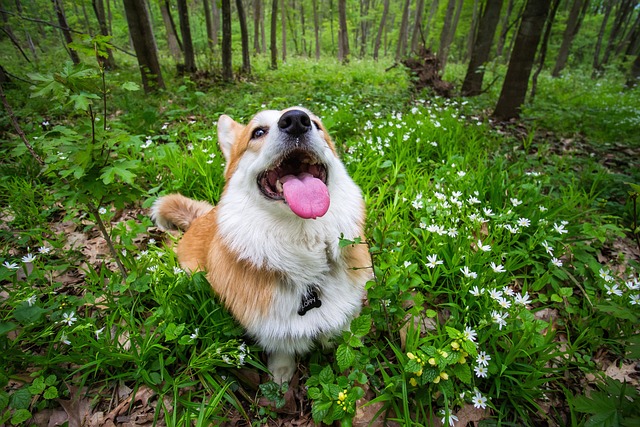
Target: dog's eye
(258, 133)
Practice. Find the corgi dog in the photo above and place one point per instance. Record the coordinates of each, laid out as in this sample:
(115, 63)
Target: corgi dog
(270, 247)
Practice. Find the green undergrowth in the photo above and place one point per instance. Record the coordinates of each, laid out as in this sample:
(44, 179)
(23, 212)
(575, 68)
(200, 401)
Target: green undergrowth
(499, 285)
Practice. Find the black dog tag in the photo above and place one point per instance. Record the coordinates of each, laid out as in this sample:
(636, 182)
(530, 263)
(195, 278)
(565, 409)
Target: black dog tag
(309, 301)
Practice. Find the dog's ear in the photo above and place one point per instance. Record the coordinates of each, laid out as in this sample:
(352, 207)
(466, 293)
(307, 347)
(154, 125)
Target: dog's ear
(228, 131)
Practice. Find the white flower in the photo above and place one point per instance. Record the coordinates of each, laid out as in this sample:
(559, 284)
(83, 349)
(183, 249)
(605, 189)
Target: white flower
(495, 294)
(508, 291)
(473, 200)
(482, 359)
(65, 340)
(470, 334)
(467, 273)
(542, 208)
(488, 211)
(499, 319)
(44, 249)
(417, 204)
(407, 264)
(461, 173)
(452, 418)
(557, 262)
(606, 275)
(613, 290)
(69, 318)
(28, 258)
(524, 222)
(433, 261)
(481, 371)
(478, 400)
(476, 292)
(177, 270)
(547, 247)
(522, 299)
(194, 335)
(98, 332)
(484, 248)
(633, 285)
(10, 266)
(452, 232)
(102, 211)
(497, 268)
(634, 299)
(32, 300)
(515, 202)
(503, 302)
(559, 228)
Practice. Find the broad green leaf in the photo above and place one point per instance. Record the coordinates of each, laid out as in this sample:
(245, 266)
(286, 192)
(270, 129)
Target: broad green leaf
(345, 356)
(20, 416)
(360, 326)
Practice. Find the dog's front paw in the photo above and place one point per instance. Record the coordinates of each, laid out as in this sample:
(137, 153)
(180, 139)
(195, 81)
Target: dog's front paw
(282, 367)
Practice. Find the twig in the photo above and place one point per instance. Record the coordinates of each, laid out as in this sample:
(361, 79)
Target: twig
(16, 126)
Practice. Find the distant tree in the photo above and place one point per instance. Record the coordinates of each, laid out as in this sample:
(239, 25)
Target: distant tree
(365, 25)
(383, 21)
(244, 35)
(258, 24)
(208, 22)
(504, 29)
(481, 49)
(144, 43)
(574, 21)
(227, 64)
(620, 23)
(215, 22)
(416, 35)
(451, 18)
(107, 62)
(472, 32)
(432, 12)
(273, 42)
(187, 42)
(173, 42)
(66, 31)
(343, 32)
(634, 75)
(514, 88)
(283, 25)
(597, 64)
(316, 28)
(401, 49)
(542, 55)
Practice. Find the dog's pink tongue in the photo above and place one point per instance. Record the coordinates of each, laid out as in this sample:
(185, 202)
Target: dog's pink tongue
(307, 196)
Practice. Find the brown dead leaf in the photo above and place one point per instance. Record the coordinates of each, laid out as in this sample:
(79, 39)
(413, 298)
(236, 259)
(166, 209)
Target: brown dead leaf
(470, 414)
(623, 373)
(143, 394)
(78, 408)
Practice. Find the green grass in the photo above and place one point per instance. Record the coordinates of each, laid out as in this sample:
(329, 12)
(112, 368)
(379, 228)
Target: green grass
(496, 283)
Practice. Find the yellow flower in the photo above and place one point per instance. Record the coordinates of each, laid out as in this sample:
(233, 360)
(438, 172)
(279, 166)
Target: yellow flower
(455, 346)
(419, 373)
(413, 382)
(436, 380)
(444, 376)
(432, 361)
(411, 356)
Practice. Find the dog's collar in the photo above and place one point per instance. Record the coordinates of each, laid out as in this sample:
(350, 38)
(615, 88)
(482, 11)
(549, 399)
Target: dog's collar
(310, 300)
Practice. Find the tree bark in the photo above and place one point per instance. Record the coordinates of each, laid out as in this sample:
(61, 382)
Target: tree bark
(473, 32)
(574, 21)
(227, 64)
(273, 42)
(472, 85)
(316, 28)
(208, 22)
(66, 31)
(383, 21)
(173, 42)
(543, 47)
(365, 25)
(416, 36)
(514, 88)
(187, 42)
(401, 49)
(108, 62)
(432, 11)
(283, 24)
(343, 33)
(597, 65)
(634, 74)
(504, 29)
(621, 21)
(448, 31)
(215, 23)
(144, 44)
(244, 35)
(257, 20)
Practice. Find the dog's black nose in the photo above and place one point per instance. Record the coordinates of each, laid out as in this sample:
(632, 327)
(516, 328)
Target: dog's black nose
(295, 122)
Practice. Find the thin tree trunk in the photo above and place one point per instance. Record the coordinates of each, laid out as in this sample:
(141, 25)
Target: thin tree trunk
(432, 11)
(472, 32)
(401, 50)
(107, 62)
(383, 20)
(187, 42)
(273, 41)
(227, 64)
(86, 18)
(208, 22)
(257, 17)
(597, 65)
(481, 49)
(634, 74)
(446, 36)
(504, 29)
(283, 29)
(416, 35)
(365, 25)
(175, 47)
(316, 28)
(343, 33)
(543, 47)
(573, 25)
(66, 31)
(619, 24)
(514, 88)
(244, 35)
(144, 44)
(215, 13)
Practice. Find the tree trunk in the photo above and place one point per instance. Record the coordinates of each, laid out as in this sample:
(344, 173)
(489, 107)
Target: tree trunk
(619, 25)
(343, 33)
(416, 35)
(401, 49)
(215, 13)
(383, 20)
(543, 47)
(446, 36)
(481, 49)
(208, 22)
(316, 28)
(504, 30)
(365, 25)
(108, 62)
(514, 88)
(273, 42)
(175, 47)
(185, 31)
(85, 15)
(597, 65)
(634, 75)
(244, 35)
(473, 32)
(432, 11)
(227, 64)
(144, 44)
(66, 31)
(257, 20)
(283, 24)
(574, 21)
